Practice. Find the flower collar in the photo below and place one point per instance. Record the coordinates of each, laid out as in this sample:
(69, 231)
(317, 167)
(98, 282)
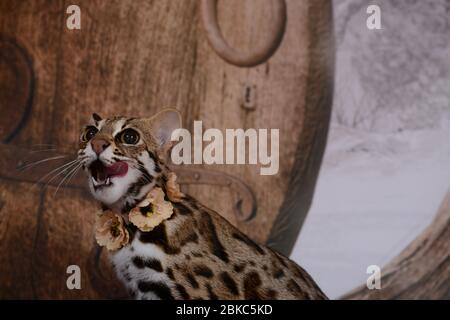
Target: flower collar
(111, 229)
(151, 211)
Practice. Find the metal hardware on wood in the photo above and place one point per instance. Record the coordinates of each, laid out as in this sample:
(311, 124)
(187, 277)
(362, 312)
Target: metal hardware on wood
(233, 56)
(249, 97)
(202, 176)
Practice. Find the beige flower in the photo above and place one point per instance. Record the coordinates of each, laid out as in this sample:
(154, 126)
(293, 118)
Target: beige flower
(173, 188)
(151, 211)
(110, 230)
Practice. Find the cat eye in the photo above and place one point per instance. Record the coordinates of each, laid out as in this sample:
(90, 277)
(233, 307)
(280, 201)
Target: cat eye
(129, 136)
(89, 133)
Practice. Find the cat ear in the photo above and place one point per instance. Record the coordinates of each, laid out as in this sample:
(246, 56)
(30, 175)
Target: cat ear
(163, 124)
(96, 118)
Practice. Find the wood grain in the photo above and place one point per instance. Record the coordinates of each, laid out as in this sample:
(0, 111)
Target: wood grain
(19, 219)
(314, 131)
(135, 58)
(422, 269)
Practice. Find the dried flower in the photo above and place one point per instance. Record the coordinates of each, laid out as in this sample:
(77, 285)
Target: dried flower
(110, 230)
(151, 211)
(173, 188)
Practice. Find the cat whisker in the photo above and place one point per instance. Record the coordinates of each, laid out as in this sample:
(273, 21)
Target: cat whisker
(43, 150)
(72, 171)
(62, 172)
(35, 163)
(78, 168)
(57, 172)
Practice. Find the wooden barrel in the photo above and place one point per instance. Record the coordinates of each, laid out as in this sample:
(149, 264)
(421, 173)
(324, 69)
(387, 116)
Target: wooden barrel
(134, 58)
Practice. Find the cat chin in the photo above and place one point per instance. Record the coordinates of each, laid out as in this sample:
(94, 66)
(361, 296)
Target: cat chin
(109, 195)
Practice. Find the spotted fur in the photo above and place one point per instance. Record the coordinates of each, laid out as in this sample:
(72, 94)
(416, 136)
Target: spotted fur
(196, 253)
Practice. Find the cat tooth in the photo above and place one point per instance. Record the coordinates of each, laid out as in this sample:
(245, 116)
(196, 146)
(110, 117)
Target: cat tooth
(107, 181)
(94, 181)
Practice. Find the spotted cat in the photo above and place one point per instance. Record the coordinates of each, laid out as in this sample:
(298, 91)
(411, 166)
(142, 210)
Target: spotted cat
(194, 254)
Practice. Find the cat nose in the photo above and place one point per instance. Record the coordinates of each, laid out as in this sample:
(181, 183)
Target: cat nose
(99, 145)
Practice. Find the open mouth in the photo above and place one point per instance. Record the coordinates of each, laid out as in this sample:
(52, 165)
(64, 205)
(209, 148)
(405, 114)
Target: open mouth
(102, 174)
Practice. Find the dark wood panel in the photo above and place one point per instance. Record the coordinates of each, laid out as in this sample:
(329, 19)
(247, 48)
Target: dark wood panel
(135, 58)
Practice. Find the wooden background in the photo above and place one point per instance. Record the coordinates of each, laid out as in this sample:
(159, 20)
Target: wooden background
(134, 58)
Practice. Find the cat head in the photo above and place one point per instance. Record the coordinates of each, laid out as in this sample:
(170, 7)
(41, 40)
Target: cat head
(124, 157)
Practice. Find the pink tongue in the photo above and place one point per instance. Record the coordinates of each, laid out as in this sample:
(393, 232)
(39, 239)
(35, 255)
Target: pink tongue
(117, 169)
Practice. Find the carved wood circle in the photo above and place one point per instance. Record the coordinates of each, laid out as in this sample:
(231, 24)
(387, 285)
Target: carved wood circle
(234, 56)
(16, 87)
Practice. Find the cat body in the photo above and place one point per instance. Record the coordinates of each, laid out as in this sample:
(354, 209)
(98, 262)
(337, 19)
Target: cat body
(197, 254)
(193, 254)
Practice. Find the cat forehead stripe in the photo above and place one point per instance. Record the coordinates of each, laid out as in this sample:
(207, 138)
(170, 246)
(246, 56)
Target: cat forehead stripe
(118, 126)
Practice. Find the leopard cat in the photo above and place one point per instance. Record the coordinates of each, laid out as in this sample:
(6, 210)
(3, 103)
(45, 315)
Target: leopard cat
(194, 254)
